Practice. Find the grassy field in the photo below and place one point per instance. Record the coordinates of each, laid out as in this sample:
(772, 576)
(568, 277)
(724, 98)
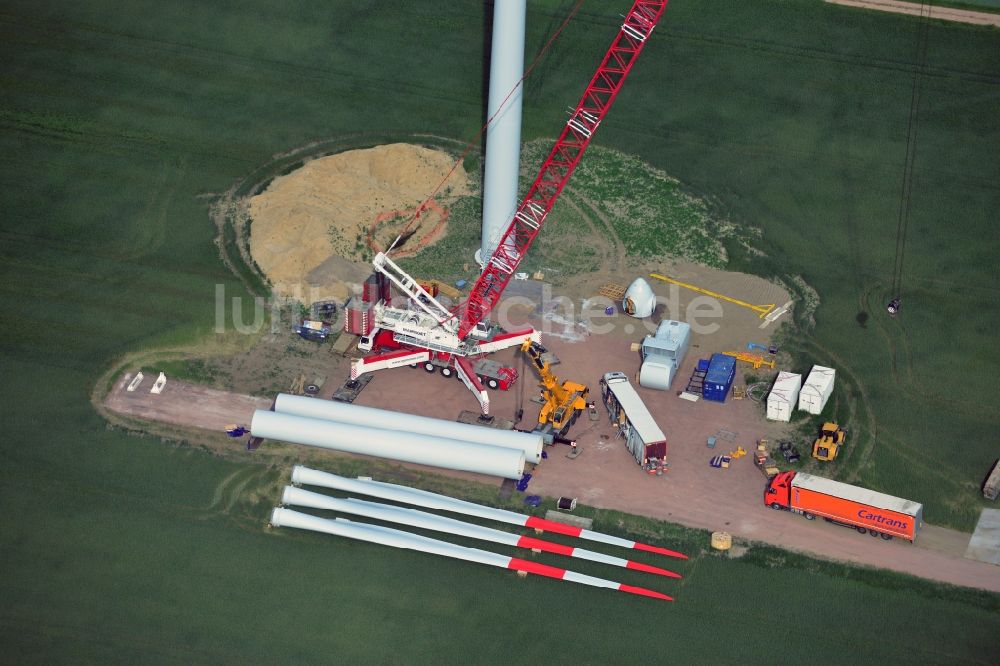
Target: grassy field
(626, 202)
(121, 125)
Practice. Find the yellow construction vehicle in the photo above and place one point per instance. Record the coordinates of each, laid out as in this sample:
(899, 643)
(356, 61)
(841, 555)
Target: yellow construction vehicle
(561, 403)
(827, 445)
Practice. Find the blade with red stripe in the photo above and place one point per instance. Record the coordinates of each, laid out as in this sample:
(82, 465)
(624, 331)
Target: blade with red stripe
(518, 564)
(429, 500)
(430, 521)
(580, 533)
(387, 536)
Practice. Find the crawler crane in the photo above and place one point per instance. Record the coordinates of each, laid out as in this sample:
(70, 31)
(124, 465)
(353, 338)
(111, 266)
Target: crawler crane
(429, 333)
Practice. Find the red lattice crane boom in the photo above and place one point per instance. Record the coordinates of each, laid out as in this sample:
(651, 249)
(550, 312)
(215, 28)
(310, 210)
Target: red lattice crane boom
(560, 163)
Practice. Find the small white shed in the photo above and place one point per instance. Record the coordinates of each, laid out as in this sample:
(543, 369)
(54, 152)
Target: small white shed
(817, 389)
(783, 396)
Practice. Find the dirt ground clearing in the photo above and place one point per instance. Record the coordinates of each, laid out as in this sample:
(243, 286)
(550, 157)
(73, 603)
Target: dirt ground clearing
(604, 475)
(308, 231)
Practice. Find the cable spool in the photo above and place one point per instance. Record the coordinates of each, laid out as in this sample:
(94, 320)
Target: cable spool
(722, 540)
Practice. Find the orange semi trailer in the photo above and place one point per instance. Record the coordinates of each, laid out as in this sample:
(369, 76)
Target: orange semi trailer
(865, 510)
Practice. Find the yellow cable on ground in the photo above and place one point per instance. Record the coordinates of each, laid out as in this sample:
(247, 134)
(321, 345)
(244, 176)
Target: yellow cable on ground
(761, 310)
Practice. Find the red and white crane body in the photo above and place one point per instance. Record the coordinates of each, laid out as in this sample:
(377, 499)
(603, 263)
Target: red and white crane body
(428, 332)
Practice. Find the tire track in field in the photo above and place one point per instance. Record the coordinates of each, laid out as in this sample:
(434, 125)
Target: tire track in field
(231, 490)
(852, 413)
(82, 632)
(611, 249)
(961, 501)
(75, 37)
(220, 490)
(911, 453)
(902, 366)
(153, 220)
(224, 498)
(866, 449)
(774, 49)
(609, 235)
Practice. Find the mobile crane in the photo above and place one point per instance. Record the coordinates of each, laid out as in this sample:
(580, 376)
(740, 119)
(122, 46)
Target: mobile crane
(429, 333)
(562, 402)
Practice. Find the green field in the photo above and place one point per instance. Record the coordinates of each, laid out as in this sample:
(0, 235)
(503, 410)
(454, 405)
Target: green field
(123, 123)
(647, 213)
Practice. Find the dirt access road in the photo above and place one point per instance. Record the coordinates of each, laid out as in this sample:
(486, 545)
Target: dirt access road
(183, 404)
(916, 9)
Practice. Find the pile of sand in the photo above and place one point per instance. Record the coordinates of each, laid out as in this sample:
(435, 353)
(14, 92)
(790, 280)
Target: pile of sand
(310, 228)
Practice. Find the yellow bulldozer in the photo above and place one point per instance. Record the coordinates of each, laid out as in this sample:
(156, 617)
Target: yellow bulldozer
(827, 445)
(561, 403)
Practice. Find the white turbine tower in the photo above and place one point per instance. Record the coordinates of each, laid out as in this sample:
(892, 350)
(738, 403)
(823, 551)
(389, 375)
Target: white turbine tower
(503, 135)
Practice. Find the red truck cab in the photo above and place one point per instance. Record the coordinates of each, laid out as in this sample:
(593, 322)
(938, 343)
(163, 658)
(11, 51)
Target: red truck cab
(779, 491)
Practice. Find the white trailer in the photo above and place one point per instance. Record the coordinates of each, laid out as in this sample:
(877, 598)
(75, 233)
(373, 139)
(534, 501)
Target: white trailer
(643, 438)
(817, 389)
(783, 396)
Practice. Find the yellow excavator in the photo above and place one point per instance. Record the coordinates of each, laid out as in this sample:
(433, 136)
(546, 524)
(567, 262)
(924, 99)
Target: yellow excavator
(561, 403)
(827, 445)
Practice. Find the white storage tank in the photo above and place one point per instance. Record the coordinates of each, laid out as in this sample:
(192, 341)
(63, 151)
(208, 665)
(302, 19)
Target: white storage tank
(817, 389)
(663, 353)
(392, 444)
(656, 375)
(783, 396)
(643, 437)
(372, 417)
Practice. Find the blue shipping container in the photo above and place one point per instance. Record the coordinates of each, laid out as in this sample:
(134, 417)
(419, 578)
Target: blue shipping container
(718, 381)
